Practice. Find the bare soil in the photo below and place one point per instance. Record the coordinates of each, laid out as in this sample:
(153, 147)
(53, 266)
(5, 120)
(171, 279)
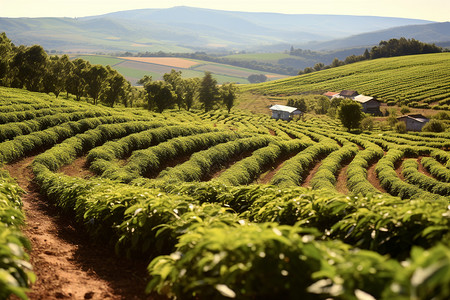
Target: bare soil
(373, 178)
(68, 265)
(266, 177)
(341, 181)
(78, 168)
(422, 168)
(311, 174)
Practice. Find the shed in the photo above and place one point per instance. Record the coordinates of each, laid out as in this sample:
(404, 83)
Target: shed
(414, 122)
(284, 112)
(370, 105)
(348, 94)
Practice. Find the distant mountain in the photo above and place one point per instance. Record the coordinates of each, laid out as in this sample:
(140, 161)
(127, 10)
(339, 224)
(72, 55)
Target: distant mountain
(182, 29)
(429, 33)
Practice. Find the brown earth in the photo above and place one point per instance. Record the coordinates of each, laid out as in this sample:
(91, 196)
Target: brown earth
(68, 265)
(311, 174)
(78, 168)
(266, 177)
(373, 178)
(341, 181)
(422, 168)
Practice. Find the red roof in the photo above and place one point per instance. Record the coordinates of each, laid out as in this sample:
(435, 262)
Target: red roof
(330, 94)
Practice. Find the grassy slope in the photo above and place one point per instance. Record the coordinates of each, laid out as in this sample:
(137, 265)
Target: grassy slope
(410, 78)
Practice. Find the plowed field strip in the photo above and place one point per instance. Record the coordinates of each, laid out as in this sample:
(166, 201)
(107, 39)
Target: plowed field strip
(311, 175)
(67, 264)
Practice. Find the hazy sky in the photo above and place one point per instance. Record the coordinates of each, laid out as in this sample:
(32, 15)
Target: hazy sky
(434, 10)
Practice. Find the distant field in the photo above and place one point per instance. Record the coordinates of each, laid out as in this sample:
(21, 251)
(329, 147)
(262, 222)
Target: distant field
(165, 61)
(417, 80)
(263, 57)
(135, 68)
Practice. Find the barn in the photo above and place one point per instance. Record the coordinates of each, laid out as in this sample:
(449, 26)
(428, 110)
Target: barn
(369, 104)
(414, 122)
(284, 112)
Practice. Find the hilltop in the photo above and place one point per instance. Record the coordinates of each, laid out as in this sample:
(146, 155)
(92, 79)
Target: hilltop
(184, 29)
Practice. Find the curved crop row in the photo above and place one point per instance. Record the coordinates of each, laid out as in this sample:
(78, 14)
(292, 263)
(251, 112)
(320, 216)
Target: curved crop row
(294, 169)
(412, 175)
(248, 169)
(436, 169)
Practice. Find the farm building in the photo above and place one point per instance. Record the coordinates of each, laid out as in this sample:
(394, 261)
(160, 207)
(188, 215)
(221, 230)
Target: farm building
(369, 104)
(284, 112)
(414, 122)
(349, 94)
(330, 95)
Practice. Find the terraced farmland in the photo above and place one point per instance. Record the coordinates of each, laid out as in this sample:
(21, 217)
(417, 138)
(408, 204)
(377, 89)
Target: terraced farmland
(416, 80)
(343, 216)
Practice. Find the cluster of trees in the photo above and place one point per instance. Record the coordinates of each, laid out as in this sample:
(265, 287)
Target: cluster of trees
(175, 90)
(257, 78)
(31, 68)
(391, 48)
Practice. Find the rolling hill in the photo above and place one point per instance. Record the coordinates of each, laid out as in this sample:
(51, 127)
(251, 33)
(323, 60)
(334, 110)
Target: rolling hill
(184, 29)
(416, 80)
(427, 33)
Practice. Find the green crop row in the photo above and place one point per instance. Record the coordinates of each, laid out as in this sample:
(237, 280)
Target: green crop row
(125, 146)
(294, 169)
(16, 273)
(248, 169)
(149, 160)
(202, 163)
(436, 169)
(325, 177)
(235, 251)
(392, 183)
(19, 116)
(11, 130)
(412, 175)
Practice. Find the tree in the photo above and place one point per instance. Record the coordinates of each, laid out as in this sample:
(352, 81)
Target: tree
(319, 66)
(6, 52)
(56, 76)
(322, 105)
(191, 86)
(176, 82)
(257, 78)
(76, 82)
(159, 95)
(208, 92)
(29, 66)
(349, 112)
(95, 78)
(434, 126)
(228, 95)
(115, 88)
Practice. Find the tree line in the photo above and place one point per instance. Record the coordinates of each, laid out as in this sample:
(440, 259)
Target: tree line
(391, 48)
(33, 69)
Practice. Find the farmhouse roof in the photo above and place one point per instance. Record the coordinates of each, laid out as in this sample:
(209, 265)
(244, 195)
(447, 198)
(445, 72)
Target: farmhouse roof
(330, 94)
(363, 99)
(279, 107)
(348, 93)
(416, 117)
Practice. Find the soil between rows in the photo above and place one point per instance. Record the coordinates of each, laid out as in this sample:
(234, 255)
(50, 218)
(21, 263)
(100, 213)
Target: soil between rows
(68, 265)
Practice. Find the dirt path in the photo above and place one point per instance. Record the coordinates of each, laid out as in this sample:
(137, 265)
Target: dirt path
(78, 168)
(341, 180)
(373, 178)
(311, 175)
(67, 264)
(422, 169)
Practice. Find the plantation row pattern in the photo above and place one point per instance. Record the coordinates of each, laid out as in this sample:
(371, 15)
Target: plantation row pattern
(181, 188)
